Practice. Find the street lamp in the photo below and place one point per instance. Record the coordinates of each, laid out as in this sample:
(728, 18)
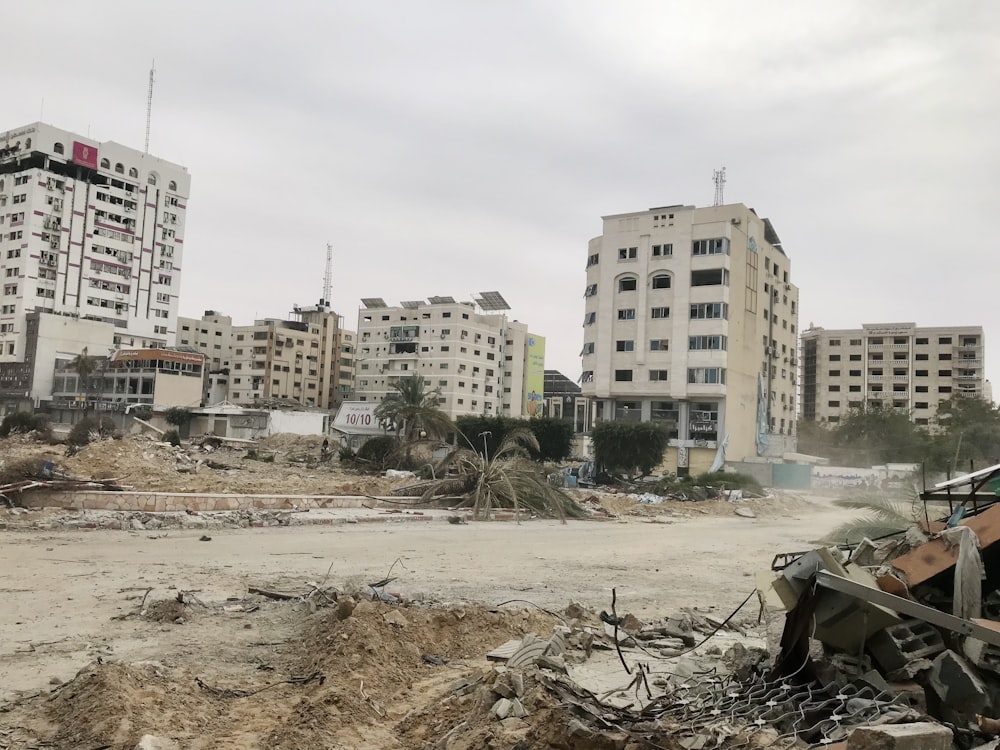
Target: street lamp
(486, 450)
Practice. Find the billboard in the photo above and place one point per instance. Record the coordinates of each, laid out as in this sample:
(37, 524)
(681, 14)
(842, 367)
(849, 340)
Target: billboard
(534, 377)
(358, 418)
(85, 155)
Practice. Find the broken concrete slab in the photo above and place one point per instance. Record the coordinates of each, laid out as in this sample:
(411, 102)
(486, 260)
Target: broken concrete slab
(982, 654)
(922, 735)
(501, 709)
(957, 685)
(152, 742)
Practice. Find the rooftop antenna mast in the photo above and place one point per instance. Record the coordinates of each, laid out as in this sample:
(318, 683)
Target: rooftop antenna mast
(328, 276)
(149, 103)
(719, 178)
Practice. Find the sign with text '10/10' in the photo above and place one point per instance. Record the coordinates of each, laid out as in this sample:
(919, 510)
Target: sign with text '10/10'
(358, 418)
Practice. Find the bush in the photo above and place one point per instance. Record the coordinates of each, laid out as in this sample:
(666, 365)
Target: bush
(380, 451)
(624, 447)
(24, 422)
(83, 431)
(144, 413)
(172, 436)
(554, 436)
(177, 416)
(729, 480)
(346, 453)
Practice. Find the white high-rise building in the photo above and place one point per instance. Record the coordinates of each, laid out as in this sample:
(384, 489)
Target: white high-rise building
(690, 318)
(88, 229)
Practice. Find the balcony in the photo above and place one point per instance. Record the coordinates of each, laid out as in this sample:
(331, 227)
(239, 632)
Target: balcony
(963, 362)
(973, 376)
(900, 378)
(876, 363)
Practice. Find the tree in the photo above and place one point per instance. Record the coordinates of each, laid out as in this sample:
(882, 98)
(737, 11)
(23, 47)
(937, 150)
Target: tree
(180, 418)
(629, 447)
(507, 479)
(874, 434)
(84, 366)
(970, 432)
(413, 409)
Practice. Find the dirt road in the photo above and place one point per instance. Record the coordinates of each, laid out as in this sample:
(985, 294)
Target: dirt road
(60, 591)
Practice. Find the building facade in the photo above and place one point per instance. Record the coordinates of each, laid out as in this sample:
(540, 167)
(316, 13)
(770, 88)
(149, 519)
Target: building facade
(482, 362)
(898, 365)
(690, 320)
(88, 229)
(308, 360)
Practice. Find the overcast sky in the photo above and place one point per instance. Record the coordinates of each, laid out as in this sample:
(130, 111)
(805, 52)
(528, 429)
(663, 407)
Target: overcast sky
(448, 148)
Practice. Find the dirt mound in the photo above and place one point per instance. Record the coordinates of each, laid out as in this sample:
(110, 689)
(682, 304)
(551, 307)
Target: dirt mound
(112, 705)
(167, 610)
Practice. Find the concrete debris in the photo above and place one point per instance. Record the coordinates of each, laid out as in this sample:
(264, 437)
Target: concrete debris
(151, 742)
(916, 736)
(957, 684)
(395, 618)
(745, 512)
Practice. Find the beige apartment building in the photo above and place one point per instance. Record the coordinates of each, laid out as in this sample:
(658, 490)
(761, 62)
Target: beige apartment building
(308, 360)
(898, 365)
(482, 362)
(690, 320)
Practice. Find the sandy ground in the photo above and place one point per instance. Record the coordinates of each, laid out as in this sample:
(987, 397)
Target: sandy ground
(60, 591)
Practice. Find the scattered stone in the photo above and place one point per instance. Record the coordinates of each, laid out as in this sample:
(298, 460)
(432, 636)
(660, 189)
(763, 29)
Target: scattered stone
(517, 709)
(745, 512)
(555, 663)
(395, 618)
(152, 742)
(55, 680)
(501, 709)
(204, 538)
(517, 683)
(577, 611)
(631, 623)
(918, 736)
(345, 607)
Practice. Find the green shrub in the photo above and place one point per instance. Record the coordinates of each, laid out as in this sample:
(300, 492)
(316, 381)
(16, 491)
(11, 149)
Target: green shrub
(626, 447)
(379, 451)
(23, 422)
(143, 412)
(172, 436)
(177, 416)
(554, 436)
(346, 453)
(83, 431)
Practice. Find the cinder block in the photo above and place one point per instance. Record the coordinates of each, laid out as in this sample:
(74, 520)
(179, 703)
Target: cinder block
(982, 654)
(919, 736)
(897, 645)
(957, 685)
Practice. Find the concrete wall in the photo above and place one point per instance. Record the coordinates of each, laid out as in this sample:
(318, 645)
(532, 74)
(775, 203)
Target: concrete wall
(298, 422)
(154, 502)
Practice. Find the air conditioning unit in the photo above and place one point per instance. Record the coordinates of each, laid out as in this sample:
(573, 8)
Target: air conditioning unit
(54, 244)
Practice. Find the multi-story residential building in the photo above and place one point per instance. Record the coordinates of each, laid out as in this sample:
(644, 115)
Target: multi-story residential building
(482, 362)
(898, 365)
(690, 320)
(88, 229)
(308, 360)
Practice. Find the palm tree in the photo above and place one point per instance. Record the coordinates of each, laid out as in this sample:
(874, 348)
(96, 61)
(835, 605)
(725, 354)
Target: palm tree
(413, 410)
(508, 479)
(84, 366)
(881, 516)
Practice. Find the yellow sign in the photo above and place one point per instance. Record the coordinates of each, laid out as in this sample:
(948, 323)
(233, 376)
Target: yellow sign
(534, 377)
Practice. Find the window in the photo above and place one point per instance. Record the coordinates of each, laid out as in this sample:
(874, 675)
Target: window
(921, 405)
(628, 284)
(623, 376)
(920, 373)
(834, 373)
(707, 375)
(922, 341)
(657, 376)
(152, 179)
(172, 185)
(921, 389)
(710, 277)
(834, 389)
(855, 373)
(590, 291)
(625, 345)
(944, 356)
(854, 388)
(590, 318)
(660, 312)
(944, 373)
(834, 342)
(920, 357)
(719, 246)
(105, 163)
(626, 313)
(944, 340)
(588, 348)
(944, 389)
(592, 260)
(660, 251)
(834, 357)
(709, 310)
(628, 253)
(697, 343)
(659, 345)
(661, 281)
(855, 357)
(833, 403)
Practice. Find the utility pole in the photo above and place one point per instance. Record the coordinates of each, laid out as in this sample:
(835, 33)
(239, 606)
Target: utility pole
(149, 103)
(719, 178)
